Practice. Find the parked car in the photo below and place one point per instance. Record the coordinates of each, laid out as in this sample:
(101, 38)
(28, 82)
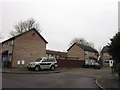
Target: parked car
(43, 63)
(97, 66)
(93, 65)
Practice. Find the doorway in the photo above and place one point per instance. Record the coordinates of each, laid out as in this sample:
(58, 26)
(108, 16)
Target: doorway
(6, 60)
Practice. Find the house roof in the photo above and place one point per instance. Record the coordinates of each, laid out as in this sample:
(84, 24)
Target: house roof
(56, 52)
(33, 29)
(84, 47)
(105, 49)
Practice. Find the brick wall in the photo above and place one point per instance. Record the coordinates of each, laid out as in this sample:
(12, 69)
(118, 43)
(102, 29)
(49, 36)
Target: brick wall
(28, 47)
(70, 63)
(76, 51)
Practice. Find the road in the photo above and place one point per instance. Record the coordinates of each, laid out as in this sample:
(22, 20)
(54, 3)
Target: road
(55, 80)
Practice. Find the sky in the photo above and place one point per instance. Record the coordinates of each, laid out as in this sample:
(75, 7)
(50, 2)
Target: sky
(62, 20)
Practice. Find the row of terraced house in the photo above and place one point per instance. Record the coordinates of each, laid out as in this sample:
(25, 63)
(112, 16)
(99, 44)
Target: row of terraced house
(18, 51)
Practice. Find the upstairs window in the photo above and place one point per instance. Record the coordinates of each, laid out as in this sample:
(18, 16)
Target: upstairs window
(106, 61)
(11, 42)
(3, 45)
(105, 54)
(86, 52)
(10, 57)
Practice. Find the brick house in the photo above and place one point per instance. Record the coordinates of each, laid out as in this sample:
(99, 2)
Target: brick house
(21, 49)
(56, 54)
(82, 52)
(105, 57)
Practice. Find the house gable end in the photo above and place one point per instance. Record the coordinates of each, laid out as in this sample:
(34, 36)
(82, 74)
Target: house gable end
(72, 46)
(33, 29)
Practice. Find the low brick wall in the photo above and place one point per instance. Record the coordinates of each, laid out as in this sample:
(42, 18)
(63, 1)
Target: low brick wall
(70, 63)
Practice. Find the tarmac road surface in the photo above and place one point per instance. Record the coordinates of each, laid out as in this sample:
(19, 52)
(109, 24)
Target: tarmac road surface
(55, 80)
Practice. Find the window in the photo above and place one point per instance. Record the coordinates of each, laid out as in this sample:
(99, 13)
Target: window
(3, 45)
(11, 42)
(23, 62)
(10, 57)
(105, 54)
(86, 52)
(18, 62)
(106, 61)
(50, 55)
(47, 55)
(58, 56)
(53, 55)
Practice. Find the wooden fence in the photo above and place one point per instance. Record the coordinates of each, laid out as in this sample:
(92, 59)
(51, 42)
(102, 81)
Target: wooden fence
(64, 63)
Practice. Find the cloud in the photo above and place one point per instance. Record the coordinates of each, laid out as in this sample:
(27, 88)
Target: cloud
(62, 20)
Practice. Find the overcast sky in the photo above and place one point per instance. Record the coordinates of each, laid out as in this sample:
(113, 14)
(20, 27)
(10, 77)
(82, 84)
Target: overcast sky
(63, 20)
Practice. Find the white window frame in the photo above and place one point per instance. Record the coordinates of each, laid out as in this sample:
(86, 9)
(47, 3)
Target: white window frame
(11, 42)
(18, 62)
(23, 62)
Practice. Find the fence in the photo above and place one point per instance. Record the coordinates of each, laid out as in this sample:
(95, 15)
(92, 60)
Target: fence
(64, 63)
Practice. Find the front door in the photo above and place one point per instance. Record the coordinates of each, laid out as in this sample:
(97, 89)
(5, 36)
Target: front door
(6, 59)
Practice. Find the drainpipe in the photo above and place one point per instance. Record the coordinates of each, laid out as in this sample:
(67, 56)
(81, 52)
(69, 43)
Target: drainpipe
(84, 57)
(84, 54)
(12, 52)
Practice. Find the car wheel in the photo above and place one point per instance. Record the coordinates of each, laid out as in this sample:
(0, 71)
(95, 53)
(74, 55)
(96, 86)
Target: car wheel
(37, 68)
(52, 68)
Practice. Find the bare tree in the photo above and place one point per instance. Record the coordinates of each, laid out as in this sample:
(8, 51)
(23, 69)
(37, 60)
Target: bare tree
(24, 26)
(81, 41)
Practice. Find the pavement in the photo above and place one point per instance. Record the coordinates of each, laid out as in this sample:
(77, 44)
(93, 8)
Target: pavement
(108, 82)
(105, 79)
